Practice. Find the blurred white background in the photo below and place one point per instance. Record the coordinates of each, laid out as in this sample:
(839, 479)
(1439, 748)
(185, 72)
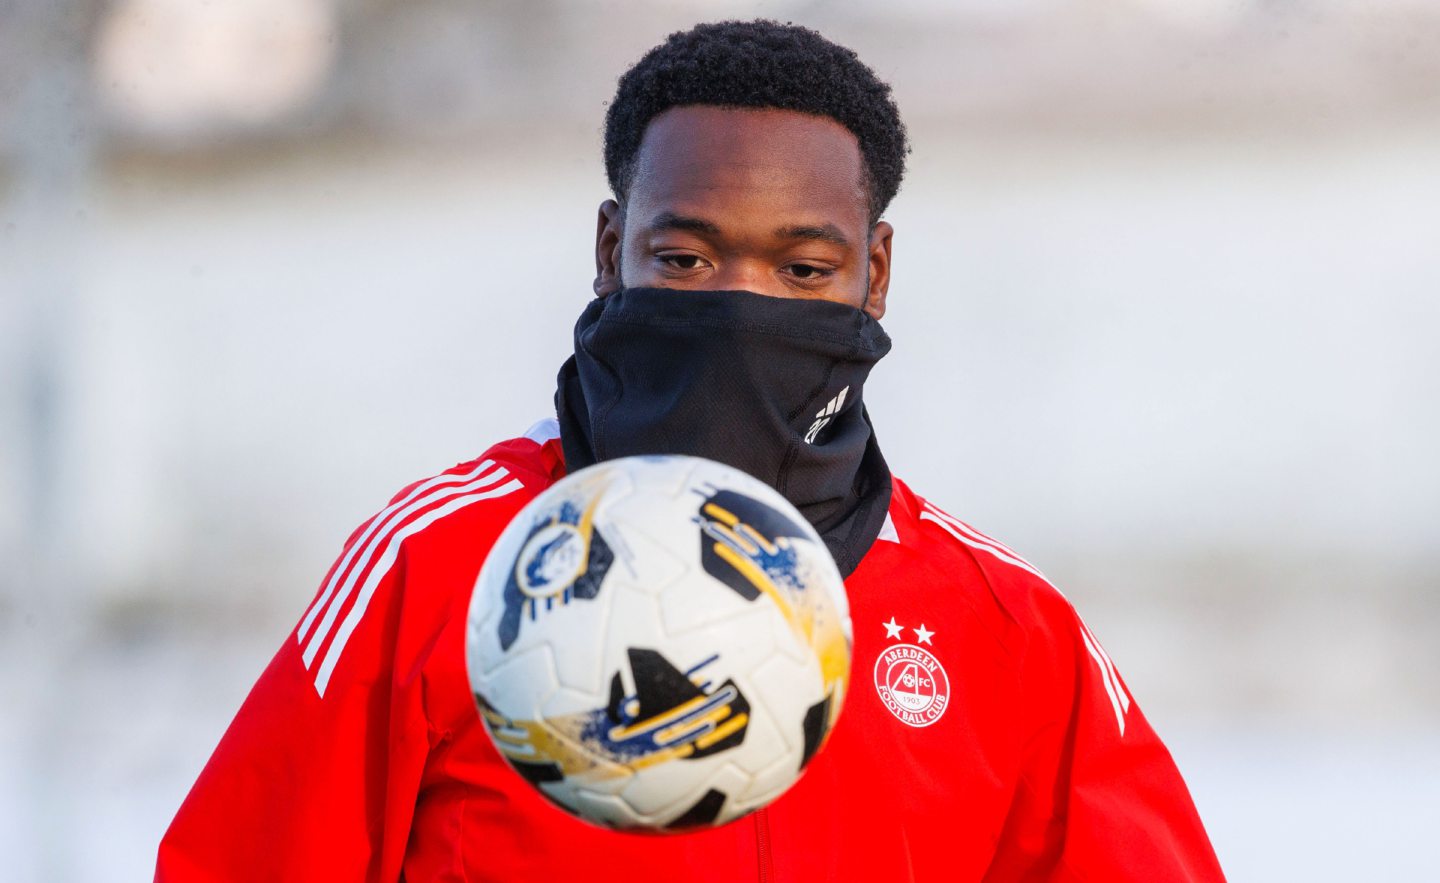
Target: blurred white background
(1166, 311)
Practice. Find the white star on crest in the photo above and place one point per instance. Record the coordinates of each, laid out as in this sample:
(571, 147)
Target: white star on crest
(892, 628)
(923, 634)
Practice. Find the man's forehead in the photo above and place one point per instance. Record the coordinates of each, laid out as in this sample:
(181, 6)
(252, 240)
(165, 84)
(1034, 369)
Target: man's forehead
(767, 159)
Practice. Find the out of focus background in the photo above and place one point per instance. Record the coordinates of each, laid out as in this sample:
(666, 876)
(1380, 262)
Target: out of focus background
(1166, 311)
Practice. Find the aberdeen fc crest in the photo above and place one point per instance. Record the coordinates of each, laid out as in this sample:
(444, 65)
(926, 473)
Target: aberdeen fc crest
(910, 680)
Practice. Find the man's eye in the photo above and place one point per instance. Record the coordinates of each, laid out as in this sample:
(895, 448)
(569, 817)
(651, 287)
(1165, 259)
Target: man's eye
(682, 261)
(806, 271)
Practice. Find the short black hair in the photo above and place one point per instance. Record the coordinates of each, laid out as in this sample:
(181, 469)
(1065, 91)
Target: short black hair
(759, 64)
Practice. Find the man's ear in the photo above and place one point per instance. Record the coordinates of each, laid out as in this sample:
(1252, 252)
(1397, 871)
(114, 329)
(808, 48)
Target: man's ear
(879, 269)
(608, 234)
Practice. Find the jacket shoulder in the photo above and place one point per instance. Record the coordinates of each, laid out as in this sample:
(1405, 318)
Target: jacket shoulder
(423, 550)
(462, 510)
(1032, 619)
(1015, 599)
(532, 459)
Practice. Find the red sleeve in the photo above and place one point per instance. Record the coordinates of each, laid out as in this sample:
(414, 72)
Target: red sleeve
(317, 775)
(1099, 797)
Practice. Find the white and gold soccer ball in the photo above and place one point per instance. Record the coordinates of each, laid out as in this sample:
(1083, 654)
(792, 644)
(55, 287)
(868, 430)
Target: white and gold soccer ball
(659, 643)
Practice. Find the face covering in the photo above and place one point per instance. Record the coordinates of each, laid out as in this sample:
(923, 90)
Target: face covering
(771, 386)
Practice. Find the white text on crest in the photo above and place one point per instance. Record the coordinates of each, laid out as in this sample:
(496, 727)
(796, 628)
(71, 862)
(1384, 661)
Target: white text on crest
(895, 654)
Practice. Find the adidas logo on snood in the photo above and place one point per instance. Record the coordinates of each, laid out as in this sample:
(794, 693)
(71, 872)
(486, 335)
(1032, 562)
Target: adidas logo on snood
(824, 415)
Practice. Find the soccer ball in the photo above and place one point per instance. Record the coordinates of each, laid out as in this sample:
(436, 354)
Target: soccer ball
(659, 643)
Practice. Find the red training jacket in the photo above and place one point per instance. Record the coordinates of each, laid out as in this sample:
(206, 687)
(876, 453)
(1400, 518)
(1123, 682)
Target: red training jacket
(359, 754)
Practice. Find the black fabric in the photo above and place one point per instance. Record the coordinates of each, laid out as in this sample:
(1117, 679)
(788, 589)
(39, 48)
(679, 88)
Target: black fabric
(743, 379)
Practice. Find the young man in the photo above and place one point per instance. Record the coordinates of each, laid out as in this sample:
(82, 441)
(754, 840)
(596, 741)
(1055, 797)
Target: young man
(741, 272)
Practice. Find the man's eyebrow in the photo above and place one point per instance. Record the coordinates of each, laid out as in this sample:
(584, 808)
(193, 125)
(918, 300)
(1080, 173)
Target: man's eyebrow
(672, 221)
(821, 232)
(818, 232)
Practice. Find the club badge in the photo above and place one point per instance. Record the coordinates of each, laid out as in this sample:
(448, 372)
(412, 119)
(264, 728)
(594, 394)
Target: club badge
(910, 680)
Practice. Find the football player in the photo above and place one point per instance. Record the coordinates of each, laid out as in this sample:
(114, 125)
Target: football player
(742, 273)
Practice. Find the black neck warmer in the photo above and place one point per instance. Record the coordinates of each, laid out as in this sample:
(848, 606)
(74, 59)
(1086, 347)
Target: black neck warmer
(772, 386)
